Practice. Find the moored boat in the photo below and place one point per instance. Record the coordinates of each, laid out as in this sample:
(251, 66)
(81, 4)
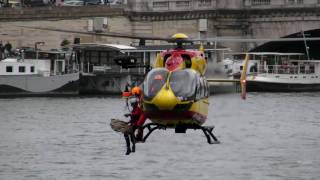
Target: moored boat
(38, 73)
(283, 72)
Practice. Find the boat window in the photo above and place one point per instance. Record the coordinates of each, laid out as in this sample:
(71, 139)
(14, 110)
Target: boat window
(9, 69)
(270, 69)
(22, 69)
(32, 69)
(106, 83)
(311, 68)
(111, 56)
(94, 57)
(254, 68)
(61, 56)
(44, 55)
(154, 81)
(183, 83)
(30, 55)
(104, 57)
(302, 69)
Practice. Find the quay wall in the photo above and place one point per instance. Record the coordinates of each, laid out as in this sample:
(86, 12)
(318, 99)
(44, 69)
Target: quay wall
(238, 23)
(69, 18)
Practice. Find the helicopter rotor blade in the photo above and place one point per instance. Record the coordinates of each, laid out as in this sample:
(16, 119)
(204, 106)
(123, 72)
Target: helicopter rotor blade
(209, 39)
(228, 39)
(106, 34)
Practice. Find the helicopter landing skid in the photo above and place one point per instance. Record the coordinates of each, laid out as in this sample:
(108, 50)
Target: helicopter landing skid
(207, 130)
(151, 127)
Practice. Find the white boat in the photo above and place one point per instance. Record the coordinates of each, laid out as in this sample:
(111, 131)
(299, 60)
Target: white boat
(233, 64)
(282, 72)
(41, 73)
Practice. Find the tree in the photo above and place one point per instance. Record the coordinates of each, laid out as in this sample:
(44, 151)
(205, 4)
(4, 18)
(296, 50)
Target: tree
(65, 44)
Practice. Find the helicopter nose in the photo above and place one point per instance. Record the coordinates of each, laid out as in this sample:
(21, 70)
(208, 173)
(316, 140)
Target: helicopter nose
(165, 99)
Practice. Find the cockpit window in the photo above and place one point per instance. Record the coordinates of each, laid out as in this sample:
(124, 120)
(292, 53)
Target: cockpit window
(183, 83)
(154, 81)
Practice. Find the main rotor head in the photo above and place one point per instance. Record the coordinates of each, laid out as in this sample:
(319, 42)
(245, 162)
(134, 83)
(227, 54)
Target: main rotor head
(180, 36)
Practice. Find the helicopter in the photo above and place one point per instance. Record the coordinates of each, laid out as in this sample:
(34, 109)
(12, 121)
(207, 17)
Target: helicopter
(175, 91)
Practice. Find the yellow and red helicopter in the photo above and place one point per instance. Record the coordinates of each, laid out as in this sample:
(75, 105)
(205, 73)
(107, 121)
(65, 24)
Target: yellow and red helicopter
(175, 91)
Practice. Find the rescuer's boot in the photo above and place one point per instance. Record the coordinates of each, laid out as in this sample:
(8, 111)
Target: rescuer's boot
(126, 137)
(139, 136)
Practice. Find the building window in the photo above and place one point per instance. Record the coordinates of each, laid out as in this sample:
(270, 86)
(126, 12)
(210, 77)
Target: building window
(9, 69)
(22, 69)
(182, 3)
(32, 69)
(260, 2)
(203, 3)
(161, 4)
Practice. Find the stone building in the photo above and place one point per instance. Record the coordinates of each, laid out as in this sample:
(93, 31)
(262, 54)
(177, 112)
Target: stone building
(197, 18)
(227, 18)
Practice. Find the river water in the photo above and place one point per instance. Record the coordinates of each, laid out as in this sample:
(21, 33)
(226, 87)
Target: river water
(268, 136)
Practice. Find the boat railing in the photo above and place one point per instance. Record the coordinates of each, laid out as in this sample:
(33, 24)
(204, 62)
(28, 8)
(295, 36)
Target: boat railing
(286, 69)
(106, 69)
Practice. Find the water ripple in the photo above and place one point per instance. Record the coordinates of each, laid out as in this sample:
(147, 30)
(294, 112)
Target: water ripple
(269, 136)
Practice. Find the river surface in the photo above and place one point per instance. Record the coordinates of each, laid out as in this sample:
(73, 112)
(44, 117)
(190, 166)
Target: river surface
(268, 136)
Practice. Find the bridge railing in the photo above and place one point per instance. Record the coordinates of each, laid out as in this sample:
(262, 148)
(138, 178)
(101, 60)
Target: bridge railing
(47, 12)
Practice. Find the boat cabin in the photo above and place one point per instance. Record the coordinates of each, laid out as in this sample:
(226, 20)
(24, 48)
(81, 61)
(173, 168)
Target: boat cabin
(272, 63)
(285, 63)
(284, 72)
(43, 63)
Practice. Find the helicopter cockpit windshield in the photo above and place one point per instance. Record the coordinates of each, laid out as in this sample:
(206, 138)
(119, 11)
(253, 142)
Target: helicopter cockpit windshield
(154, 81)
(182, 82)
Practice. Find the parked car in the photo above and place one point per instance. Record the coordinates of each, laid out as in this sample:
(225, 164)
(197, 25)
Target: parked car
(73, 3)
(113, 2)
(92, 2)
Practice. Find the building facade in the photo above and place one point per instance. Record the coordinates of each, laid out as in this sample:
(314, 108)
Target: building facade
(227, 18)
(197, 18)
